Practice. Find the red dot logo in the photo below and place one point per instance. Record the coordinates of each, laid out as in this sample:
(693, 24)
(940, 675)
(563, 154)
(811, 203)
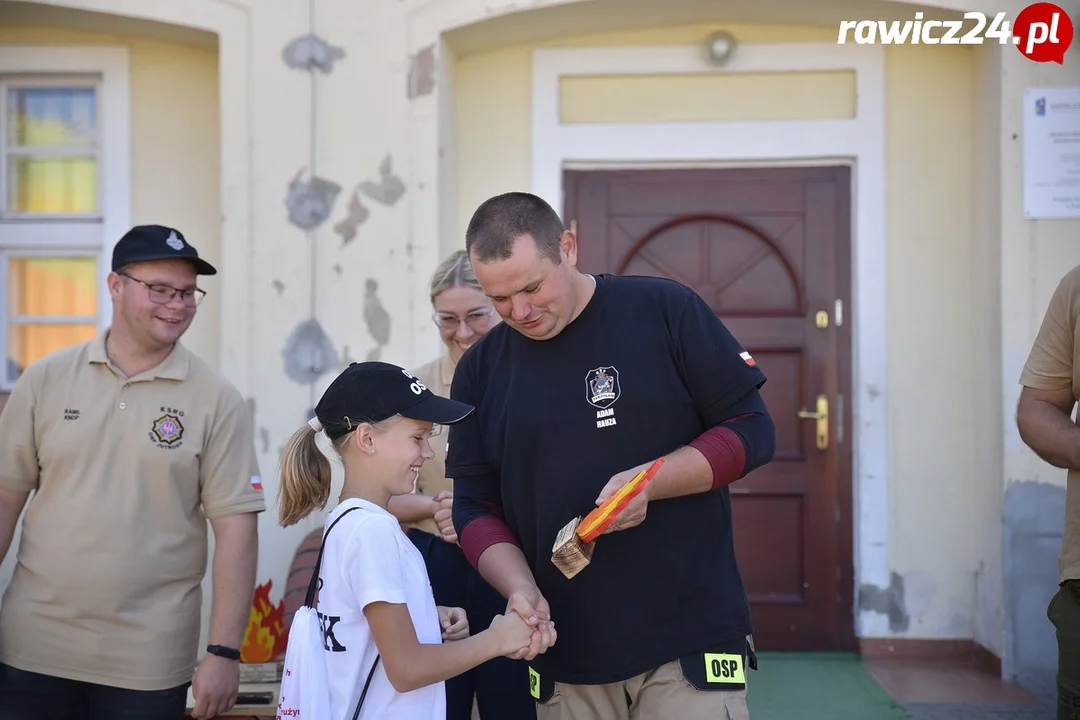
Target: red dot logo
(1043, 32)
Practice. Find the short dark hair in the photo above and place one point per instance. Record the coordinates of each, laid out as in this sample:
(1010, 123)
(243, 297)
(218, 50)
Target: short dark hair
(501, 220)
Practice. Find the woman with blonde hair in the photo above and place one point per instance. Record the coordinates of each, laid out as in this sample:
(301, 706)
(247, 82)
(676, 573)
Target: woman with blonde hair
(389, 646)
(463, 314)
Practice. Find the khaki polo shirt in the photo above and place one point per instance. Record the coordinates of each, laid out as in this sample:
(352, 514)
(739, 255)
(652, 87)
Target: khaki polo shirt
(113, 550)
(1054, 364)
(437, 375)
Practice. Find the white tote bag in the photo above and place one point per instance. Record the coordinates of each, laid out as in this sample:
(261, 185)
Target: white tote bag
(305, 692)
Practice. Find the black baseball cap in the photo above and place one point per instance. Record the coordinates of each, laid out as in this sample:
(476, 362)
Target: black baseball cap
(373, 391)
(143, 243)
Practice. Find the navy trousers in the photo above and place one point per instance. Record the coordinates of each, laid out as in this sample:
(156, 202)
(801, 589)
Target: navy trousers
(32, 696)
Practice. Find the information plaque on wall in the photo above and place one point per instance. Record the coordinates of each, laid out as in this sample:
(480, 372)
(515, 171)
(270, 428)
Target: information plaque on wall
(1052, 153)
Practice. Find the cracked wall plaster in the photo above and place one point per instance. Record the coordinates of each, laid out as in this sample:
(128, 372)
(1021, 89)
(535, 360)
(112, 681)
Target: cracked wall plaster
(376, 318)
(389, 188)
(887, 601)
(1034, 522)
(310, 201)
(919, 590)
(308, 353)
(355, 217)
(421, 78)
(311, 52)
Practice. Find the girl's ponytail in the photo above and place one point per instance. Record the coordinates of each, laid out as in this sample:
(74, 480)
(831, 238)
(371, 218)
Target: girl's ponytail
(305, 478)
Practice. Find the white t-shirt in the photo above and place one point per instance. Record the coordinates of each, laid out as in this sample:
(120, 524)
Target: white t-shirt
(369, 559)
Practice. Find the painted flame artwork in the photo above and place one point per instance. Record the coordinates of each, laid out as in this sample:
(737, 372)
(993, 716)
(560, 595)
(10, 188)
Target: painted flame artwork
(265, 637)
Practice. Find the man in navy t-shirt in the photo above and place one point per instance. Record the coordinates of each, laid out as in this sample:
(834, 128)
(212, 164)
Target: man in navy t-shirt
(587, 382)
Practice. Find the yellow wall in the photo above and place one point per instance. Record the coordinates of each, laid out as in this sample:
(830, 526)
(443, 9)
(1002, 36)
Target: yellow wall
(929, 118)
(700, 97)
(174, 148)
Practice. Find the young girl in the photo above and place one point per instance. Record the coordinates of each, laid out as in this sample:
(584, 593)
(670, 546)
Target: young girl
(375, 600)
(499, 688)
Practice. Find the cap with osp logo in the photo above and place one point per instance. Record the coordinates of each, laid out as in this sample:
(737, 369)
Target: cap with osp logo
(144, 243)
(374, 391)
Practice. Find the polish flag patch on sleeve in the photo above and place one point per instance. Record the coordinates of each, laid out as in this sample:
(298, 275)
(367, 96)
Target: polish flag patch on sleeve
(748, 359)
(256, 482)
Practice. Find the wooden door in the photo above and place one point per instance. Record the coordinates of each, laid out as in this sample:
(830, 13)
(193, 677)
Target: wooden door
(767, 249)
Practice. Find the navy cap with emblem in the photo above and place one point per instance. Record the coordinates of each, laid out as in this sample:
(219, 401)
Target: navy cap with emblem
(374, 391)
(144, 243)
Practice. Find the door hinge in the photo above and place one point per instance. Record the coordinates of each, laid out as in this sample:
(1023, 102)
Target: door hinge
(573, 227)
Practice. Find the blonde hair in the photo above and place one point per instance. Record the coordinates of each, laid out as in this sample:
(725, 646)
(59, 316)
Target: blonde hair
(304, 485)
(454, 271)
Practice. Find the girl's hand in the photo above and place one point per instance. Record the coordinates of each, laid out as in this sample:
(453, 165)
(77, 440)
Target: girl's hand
(513, 633)
(455, 623)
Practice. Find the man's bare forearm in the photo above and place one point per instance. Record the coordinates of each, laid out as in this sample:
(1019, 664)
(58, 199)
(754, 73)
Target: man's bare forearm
(684, 472)
(1050, 432)
(504, 567)
(236, 550)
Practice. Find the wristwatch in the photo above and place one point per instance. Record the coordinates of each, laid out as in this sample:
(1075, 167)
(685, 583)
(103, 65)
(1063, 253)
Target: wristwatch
(221, 651)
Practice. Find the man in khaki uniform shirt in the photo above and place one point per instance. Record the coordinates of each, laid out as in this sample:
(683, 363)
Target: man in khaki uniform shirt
(1051, 380)
(129, 444)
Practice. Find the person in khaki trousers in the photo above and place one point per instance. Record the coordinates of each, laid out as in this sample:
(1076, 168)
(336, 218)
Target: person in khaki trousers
(586, 382)
(1051, 388)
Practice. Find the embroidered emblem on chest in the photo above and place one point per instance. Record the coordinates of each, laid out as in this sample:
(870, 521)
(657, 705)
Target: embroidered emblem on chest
(602, 389)
(167, 430)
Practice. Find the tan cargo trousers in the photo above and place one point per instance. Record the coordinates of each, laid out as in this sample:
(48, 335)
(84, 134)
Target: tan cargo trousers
(659, 694)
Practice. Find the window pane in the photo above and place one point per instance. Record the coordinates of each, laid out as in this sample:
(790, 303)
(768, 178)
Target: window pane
(52, 184)
(52, 286)
(51, 116)
(29, 343)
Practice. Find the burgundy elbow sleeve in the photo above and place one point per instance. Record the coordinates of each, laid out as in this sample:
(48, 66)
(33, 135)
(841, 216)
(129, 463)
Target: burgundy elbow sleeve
(482, 533)
(724, 450)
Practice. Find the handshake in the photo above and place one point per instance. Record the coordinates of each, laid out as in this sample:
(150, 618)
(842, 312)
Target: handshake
(522, 633)
(527, 624)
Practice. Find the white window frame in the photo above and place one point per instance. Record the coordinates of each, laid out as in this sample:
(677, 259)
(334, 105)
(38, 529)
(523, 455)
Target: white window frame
(74, 235)
(10, 81)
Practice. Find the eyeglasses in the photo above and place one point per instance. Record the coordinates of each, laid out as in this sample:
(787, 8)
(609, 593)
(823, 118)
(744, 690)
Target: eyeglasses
(477, 320)
(163, 294)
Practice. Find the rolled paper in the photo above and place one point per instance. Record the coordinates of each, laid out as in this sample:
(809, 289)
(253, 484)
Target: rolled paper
(603, 517)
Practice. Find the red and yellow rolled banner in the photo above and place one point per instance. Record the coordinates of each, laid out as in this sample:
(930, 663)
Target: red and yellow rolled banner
(600, 519)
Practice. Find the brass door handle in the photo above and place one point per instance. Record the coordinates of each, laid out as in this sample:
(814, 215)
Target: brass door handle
(822, 418)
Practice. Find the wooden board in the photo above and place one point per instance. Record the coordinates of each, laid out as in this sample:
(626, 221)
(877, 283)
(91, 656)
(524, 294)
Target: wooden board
(268, 709)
